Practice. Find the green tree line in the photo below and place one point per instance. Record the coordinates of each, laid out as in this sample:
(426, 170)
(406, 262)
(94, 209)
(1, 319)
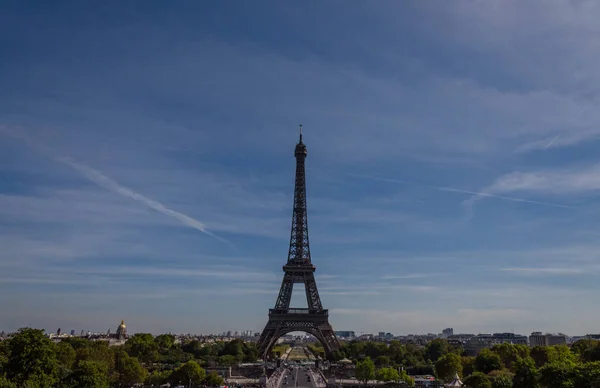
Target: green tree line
(365, 371)
(29, 359)
(502, 366)
(416, 360)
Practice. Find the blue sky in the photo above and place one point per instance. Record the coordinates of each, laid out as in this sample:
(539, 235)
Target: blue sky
(146, 163)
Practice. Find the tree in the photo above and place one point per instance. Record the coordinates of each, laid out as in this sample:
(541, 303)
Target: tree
(477, 380)
(227, 360)
(190, 371)
(447, 366)
(468, 365)
(588, 375)
(99, 351)
(365, 370)
(89, 374)
(142, 347)
(501, 379)
(542, 355)
(65, 355)
(76, 342)
(129, 369)
(213, 379)
(487, 361)
(250, 352)
(562, 353)
(396, 351)
(508, 353)
(5, 383)
(558, 375)
(404, 377)
(582, 346)
(32, 359)
(234, 348)
(176, 355)
(383, 361)
(158, 377)
(387, 374)
(526, 374)
(436, 349)
(4, 352)
(164, 341)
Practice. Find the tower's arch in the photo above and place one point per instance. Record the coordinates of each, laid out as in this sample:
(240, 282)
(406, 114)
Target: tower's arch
(318, 334)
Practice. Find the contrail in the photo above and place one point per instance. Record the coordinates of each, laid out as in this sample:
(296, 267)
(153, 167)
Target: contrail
(551, 142)
(109, 184)
(514, 199)
(452, 190)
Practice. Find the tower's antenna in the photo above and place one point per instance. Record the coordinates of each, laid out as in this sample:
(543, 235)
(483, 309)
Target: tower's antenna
(300, 132)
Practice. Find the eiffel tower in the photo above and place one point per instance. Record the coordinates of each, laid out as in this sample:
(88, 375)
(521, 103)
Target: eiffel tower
(298, 269)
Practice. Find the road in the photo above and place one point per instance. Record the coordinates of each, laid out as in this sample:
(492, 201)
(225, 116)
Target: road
(299, 377)
(296, 375)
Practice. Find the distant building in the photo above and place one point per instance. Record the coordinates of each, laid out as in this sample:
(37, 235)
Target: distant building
(512, 338)
(557, 339)
(447, 332)
(481, 341)
(538, 339)
(121, 331)
(345, 334)
(73, 332)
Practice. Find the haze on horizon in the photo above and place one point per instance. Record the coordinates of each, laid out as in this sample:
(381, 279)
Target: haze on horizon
(147, 170)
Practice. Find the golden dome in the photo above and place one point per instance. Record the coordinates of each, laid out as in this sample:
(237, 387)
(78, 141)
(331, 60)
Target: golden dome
(122, 324)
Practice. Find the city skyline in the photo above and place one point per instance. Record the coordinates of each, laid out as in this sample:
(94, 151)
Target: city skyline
(147, 167)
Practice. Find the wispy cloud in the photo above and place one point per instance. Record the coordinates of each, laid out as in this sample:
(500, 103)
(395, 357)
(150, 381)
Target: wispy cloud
(563, 181)
(194, 134)
(544, 271)
(459, 191)
(423, 320)
(109, 184)
(413, 276)
(124, 273)
(559, 141)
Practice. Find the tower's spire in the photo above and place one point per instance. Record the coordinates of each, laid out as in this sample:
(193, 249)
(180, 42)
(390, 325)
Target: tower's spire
(300, 133)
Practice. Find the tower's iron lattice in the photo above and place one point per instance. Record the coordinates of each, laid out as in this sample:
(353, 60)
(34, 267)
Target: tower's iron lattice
(298, 269)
